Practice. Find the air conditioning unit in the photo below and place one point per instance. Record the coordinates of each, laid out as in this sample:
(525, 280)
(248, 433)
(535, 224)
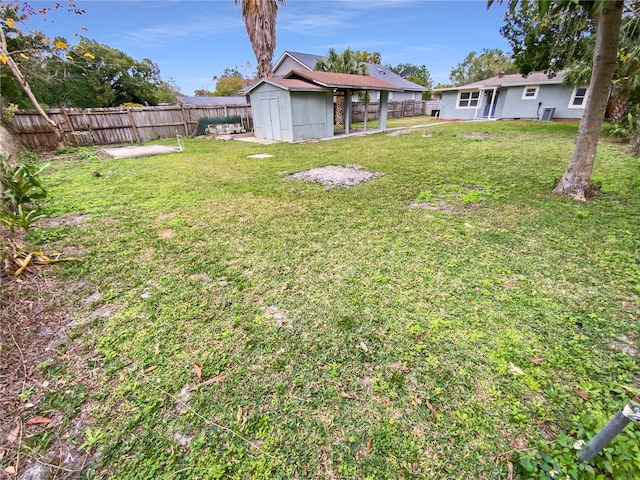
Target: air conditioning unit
(547, 114)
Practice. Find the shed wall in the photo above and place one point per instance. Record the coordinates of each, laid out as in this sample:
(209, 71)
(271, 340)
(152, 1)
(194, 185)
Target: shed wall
(267, 91)
(312, 115)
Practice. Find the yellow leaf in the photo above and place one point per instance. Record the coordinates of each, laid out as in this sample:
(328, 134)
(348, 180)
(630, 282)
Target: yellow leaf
(60, 45)
(24, 56)
(89, 55)
(69, 57)
(4, 59)
(10, 22)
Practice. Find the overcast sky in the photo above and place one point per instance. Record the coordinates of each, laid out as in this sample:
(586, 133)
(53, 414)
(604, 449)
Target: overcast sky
(194, 40)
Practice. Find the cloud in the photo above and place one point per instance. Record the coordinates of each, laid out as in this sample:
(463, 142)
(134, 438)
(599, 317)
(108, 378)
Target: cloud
(166, 33)
(314, 24)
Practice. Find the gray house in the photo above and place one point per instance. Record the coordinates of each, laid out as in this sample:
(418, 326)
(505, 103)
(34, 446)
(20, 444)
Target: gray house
(406, 90)
(300, 106)
(514, 96)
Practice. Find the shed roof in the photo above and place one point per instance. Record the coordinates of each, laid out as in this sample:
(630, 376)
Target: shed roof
(308, 61)
(344, 80)
(290, 84)
(510, 80)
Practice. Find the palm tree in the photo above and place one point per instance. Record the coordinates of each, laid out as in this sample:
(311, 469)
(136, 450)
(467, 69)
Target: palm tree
(345, 62)
(260, 19)
(626, 80)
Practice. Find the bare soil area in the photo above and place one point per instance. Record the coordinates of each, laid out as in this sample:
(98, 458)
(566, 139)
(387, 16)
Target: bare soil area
(334, 176)
(44, 381)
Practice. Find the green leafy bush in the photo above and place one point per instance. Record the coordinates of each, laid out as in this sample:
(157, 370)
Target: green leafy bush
(21, 194)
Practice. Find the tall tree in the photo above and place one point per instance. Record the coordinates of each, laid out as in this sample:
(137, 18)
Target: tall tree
(346, 61)
(91, 74)
(576, 181)
(13, 13)
(260, 20)
(416, 74)
(486, 64)
(546, 42)
(227, 86)
(625, 88)
(369, 57)
(407, 70)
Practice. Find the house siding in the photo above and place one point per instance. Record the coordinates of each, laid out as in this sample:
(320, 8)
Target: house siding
(511, 105)
(448, 108)
(286, 66)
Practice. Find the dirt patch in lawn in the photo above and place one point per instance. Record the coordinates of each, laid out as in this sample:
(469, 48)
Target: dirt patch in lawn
(333, 176)
(476, 135)
(44, 379)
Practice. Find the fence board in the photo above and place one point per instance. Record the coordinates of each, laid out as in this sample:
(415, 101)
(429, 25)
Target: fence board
(107, 126)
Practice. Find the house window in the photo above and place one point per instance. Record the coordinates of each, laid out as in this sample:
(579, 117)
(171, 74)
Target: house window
(578, 97)
(468, 99)
(530, 93)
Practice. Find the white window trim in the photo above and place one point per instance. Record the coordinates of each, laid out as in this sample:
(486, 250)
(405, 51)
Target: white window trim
(573, 97)
(469, 107)
(535, 94)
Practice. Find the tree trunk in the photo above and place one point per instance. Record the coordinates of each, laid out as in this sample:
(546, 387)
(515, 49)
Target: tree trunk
(575, 182)
(617, 107)
(635, 144)
(26, 88)
(339, 110)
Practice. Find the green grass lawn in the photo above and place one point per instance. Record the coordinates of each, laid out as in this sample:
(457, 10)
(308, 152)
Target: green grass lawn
(346, 333)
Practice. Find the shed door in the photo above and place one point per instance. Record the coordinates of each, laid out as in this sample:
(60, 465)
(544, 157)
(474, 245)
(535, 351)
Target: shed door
(271, 114)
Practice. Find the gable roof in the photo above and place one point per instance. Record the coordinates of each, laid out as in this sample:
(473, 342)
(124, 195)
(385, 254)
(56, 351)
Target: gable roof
(290, 84)
(343, 80)
(510, 80)
(308, 61)
(383, 73)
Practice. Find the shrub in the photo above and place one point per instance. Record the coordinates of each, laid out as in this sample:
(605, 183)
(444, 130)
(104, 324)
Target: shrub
(21, 194)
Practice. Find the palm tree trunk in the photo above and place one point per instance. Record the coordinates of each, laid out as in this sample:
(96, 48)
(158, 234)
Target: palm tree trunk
(575, 182)
(339, 110)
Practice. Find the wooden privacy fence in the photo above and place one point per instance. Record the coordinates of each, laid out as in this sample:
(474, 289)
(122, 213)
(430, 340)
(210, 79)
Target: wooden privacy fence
(107, 126)
(407, 108)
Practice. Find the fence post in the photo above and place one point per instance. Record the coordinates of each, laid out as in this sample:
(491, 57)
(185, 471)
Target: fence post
(184, 121)
(132, 121)
(67, 119)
